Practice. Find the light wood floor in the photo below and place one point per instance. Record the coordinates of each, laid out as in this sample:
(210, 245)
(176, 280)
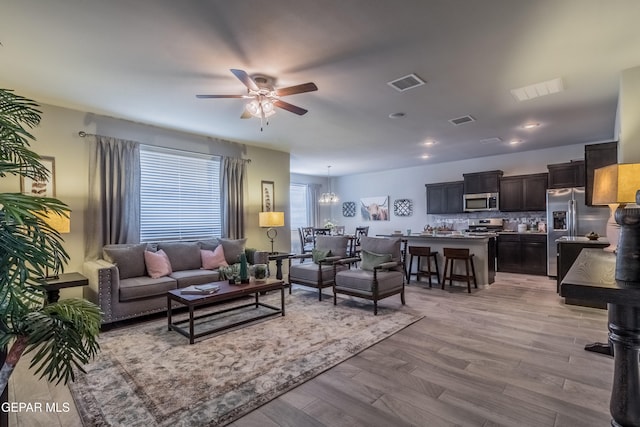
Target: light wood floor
(510, 354)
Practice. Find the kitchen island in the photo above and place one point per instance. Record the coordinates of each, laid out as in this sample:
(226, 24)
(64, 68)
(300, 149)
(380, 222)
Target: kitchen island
(482, 245)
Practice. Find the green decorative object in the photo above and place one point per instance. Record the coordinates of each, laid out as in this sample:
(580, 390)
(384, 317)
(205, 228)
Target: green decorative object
(244, 271)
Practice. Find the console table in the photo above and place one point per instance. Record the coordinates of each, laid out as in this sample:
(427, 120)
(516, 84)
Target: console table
(592, 278)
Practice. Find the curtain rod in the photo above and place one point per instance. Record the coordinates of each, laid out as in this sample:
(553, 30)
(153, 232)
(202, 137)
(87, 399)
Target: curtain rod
(83, 134)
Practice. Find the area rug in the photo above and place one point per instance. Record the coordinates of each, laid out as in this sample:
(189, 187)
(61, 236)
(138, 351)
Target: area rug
(145, 375)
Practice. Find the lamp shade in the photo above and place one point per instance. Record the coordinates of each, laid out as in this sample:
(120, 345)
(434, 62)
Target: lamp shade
(60, 223)
(271, 219)
(616, 184)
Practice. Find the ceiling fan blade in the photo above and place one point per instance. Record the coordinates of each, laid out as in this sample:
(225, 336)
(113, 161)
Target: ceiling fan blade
(289, 107)
(245, 115)
(292, 90)
(245, 79)
(220, 96)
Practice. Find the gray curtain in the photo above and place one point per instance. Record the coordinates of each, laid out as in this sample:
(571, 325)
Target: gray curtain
(234, 172)
(113, 214)
(313, 206)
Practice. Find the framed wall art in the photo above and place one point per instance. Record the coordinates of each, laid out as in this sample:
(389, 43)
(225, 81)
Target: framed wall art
(268, 200)
(403, 207)
(349, 209)
(45, 188)
(375, 208)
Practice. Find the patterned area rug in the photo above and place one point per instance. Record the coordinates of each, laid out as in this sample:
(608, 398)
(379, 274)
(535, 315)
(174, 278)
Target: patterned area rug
(148, 376)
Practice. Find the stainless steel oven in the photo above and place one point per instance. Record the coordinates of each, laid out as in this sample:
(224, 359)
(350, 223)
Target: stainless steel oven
(481, 202)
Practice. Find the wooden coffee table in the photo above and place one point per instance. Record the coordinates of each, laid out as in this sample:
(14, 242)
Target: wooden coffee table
(226, 292)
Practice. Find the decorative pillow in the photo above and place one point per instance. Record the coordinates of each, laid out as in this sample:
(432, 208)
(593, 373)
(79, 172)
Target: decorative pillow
(232, 249)
(209, 245)
(318, 254)
(370, 260)
(182, 255)
(128, 258)
(157, 263)
(213, 259)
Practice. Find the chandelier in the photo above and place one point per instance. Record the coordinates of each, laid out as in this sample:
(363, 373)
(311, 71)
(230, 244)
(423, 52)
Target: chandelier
(330, 196)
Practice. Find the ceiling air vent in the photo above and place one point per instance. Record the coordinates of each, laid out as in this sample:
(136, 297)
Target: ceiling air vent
(406, 82)
(462, 120)
(490, 140)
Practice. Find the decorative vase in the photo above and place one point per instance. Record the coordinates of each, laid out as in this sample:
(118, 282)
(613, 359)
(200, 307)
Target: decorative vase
(260, 272)
(244, 271)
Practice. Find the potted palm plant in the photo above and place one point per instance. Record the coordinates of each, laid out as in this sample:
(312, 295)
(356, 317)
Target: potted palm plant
(62, 335)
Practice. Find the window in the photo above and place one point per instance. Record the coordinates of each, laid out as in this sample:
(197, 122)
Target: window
(179, 195)
(298, 208)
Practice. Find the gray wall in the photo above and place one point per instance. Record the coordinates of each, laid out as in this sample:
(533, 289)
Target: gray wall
(410, 183)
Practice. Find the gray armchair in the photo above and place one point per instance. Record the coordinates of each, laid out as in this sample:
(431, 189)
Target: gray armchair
(320, 272)
(379, 275)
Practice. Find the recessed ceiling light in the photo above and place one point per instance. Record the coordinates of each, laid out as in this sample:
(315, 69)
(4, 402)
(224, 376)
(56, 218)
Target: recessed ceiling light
(396, 115)
(515, 141)
(538, 89)
(530, 125)
(429, 142)
(425, 156)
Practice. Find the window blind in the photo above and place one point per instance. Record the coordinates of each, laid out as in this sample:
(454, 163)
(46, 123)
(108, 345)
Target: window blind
(298, 206)
(179, 195)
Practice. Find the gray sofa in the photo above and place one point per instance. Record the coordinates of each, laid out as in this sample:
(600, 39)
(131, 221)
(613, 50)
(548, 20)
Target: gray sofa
(120, 285)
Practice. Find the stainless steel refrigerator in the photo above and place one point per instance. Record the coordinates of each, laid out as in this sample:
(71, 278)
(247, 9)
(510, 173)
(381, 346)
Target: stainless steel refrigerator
(567, 215)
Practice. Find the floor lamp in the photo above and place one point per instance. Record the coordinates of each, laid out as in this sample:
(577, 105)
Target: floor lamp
(270, 220)
(618, 185)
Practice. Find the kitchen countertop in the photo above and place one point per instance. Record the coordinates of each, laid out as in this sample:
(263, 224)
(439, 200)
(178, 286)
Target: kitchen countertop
(523, 232)
(477, 236)
(581, 239)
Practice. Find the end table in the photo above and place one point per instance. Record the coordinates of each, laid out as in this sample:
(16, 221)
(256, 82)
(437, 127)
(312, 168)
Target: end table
(278, 257)
(64, 280)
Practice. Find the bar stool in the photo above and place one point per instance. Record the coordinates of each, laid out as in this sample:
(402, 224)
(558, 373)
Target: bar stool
(423, 251)
(452, 254)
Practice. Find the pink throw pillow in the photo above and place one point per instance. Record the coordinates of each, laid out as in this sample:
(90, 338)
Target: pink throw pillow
(213, 259)
(157, 263)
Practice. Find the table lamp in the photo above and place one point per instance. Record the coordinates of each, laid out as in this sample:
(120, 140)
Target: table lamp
(61, 224)
(618, 185)
(270, 220)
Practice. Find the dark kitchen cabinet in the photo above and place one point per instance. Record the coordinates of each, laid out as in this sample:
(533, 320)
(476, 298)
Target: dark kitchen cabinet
(522, 253)
(597, 156)
(567, 175)
(482, 182)
(508, 251)
(445, 197)
(523, 193)
(568, 251)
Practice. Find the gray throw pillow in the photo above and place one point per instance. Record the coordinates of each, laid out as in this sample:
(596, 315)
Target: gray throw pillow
(128, 258)
(183, 256)
(370, 260)
(209, 245)
(232, 249)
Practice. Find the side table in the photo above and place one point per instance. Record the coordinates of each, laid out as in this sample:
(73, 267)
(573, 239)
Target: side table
(64, 280)
(278, 257)
(592, 278)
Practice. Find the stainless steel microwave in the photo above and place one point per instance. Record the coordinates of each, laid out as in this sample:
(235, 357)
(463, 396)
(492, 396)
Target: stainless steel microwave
(481, 202)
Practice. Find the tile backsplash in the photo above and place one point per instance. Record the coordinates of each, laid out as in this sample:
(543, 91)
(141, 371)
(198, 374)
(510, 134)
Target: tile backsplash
(511, 219)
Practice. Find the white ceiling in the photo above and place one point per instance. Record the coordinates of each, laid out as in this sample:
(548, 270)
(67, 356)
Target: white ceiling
(144, 60)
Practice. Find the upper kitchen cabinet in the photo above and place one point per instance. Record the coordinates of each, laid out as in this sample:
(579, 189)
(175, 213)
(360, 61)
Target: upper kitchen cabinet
(445, 197)
(597, 156)
(566, 175)
(523, 193)
(482, 182)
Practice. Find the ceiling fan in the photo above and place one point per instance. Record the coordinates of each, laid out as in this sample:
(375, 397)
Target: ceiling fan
(264, 96)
